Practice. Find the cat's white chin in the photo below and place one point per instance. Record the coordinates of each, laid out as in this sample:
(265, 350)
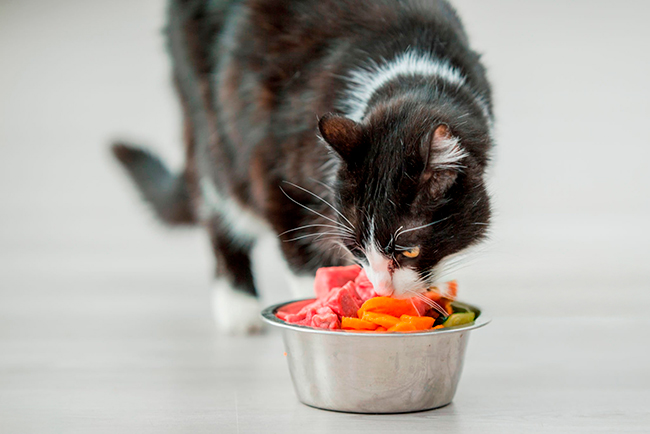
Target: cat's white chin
(406, 281)
(235, 313)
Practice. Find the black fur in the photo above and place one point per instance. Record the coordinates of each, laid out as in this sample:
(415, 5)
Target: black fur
(166, 192)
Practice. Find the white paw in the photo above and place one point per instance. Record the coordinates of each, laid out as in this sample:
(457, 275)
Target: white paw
(301, 286)
(235, 312)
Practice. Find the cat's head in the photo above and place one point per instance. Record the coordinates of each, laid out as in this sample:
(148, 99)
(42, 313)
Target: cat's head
(410, 184)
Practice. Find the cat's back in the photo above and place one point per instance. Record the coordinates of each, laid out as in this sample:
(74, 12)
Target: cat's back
(273, 52)
(275, 41)
(266, 31)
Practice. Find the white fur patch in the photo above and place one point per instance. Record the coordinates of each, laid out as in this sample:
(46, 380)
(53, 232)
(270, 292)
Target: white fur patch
(365, 82)
(242, 224)
(406, 280)
(235, 312)
(377, 270)
(448, 154)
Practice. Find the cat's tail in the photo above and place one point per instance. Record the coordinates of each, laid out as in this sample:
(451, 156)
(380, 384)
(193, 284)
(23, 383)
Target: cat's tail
(166, 192)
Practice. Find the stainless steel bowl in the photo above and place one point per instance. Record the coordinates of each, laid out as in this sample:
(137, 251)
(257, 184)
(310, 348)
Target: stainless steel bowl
(361, 372)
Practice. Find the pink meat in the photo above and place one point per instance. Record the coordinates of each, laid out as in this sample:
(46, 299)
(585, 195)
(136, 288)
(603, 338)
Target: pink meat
(340, 291)
(344, 301)
(365, 289)
(333, 277)
(292, 308)
(325, 318)
(305, 314)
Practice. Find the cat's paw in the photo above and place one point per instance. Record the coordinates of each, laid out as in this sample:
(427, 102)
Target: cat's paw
(235, 312)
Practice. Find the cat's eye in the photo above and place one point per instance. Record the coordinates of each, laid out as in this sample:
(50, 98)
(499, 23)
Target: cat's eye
(411, 253)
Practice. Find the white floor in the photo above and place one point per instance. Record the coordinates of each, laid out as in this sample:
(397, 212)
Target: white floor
(104, 315)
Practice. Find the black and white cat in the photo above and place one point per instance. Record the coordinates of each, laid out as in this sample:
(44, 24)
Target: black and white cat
(354, 130)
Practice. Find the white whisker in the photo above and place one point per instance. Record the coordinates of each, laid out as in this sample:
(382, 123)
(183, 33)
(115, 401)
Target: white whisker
(330, 189)
(311, 210)
(398, 247)
(397, 232)
(415, 308)
(313, 226)
(324, 201)
(317, 234)
(422, 227)
(430, 302)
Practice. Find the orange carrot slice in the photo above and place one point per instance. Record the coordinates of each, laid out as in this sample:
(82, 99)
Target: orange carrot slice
(438, 327)
(391, 306)
(381, 329)
(357, 324)
(402, 327)
(380, 319)
(419, 322)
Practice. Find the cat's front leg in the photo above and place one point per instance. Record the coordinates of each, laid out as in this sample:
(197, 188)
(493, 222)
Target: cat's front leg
(235, 301)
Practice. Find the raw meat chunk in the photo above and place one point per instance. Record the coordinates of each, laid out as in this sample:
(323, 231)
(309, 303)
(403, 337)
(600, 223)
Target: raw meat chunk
(333, 277)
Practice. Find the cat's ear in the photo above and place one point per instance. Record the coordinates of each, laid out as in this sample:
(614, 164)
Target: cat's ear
(445, 151)
(444, 159)
(342, 134)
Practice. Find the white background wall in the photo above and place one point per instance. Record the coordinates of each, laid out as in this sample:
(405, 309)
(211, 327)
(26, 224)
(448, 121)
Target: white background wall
(570, 180)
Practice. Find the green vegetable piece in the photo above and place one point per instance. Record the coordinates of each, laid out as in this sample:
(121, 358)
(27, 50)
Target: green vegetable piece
(456, 319)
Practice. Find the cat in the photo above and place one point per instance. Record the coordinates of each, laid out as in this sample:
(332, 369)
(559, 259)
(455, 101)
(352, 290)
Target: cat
(355, 131)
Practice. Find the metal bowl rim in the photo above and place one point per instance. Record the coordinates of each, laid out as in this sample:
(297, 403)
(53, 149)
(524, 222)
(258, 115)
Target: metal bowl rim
(269, 316)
